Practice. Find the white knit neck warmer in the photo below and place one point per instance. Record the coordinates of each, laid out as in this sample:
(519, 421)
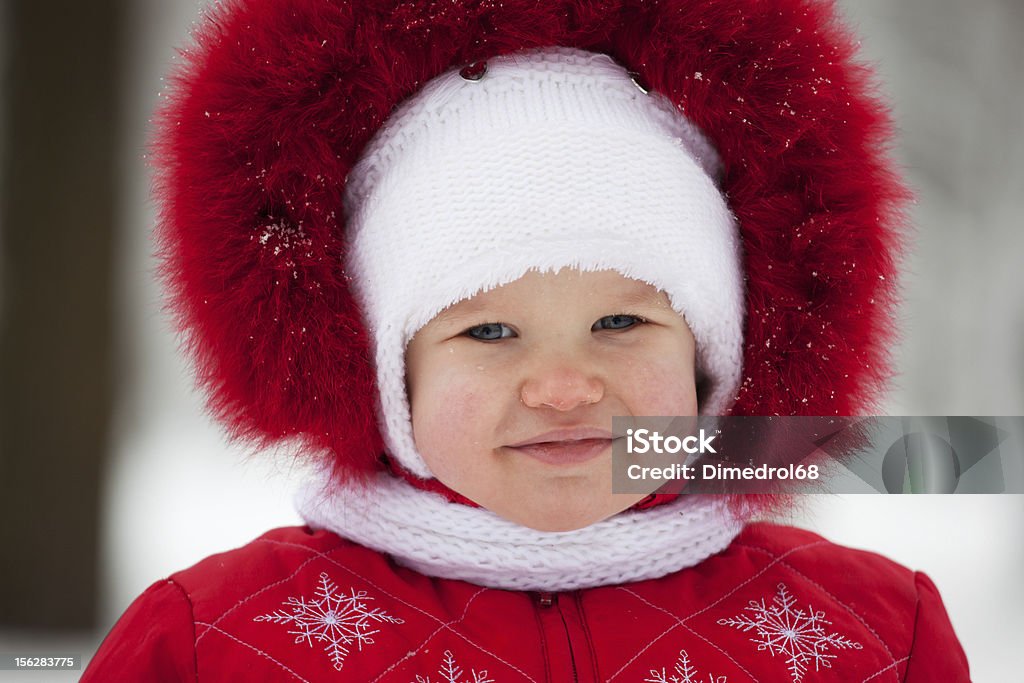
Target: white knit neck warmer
(427, 533)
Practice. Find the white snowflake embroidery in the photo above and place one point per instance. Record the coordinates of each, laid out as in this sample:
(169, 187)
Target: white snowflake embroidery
(683, 672)
(335, 619)
(450, 672)
(786, 630)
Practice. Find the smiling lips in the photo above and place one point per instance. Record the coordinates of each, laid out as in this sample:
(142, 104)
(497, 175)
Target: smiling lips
(566, 446)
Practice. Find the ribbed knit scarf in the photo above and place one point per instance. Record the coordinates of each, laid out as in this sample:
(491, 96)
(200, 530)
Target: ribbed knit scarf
(425, 532)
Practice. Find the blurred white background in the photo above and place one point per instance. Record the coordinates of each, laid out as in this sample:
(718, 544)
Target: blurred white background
(177, 492)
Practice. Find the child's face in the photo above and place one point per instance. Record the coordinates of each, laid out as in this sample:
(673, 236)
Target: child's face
(545, 360)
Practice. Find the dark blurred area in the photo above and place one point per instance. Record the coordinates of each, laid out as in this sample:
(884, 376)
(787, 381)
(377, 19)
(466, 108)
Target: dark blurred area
(57, 212)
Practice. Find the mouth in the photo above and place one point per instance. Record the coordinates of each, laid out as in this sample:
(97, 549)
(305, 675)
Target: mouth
(566, 446)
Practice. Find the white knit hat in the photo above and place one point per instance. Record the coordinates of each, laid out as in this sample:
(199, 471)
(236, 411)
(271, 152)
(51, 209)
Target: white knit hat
(552, 158)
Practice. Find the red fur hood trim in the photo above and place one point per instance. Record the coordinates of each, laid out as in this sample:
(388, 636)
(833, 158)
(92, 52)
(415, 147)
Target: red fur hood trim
(273, 104)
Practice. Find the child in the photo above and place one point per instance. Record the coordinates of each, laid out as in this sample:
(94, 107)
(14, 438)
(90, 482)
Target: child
(543, 215)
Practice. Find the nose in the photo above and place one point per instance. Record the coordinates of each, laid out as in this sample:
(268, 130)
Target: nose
(562, 384)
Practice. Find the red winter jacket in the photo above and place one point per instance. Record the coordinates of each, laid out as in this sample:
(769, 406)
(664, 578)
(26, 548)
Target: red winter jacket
(779, 604)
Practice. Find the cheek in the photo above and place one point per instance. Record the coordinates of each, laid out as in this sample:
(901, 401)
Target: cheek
(662, 387)
(447, 414)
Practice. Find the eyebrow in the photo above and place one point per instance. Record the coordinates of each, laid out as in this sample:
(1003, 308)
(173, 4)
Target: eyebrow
(460, 311)
(467, 309)
(640, 297)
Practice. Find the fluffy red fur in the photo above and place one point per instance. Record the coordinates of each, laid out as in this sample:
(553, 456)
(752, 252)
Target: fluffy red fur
(269, 110)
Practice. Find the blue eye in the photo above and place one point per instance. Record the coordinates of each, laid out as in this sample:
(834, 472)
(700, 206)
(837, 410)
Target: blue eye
(490, 332)
(616, 322)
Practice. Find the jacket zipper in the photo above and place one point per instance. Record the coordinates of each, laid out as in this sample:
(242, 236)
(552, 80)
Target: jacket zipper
(550, 613)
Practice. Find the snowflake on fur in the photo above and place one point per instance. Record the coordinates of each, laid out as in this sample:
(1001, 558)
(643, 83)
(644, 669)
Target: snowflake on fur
(450, 672)
(798, 634)
(338, 620)
(683, 672)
